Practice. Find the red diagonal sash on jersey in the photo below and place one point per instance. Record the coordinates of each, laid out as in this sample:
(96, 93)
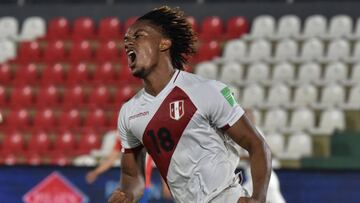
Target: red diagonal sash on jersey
(166, 127)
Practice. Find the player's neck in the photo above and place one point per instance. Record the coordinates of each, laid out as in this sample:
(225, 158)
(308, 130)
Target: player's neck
(158, 79)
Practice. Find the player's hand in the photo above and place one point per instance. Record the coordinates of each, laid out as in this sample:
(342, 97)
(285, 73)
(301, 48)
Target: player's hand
(248, 200)
(91, 177)
(119, 196)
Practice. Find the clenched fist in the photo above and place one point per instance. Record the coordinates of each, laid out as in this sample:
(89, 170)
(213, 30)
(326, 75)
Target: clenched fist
(119, 196)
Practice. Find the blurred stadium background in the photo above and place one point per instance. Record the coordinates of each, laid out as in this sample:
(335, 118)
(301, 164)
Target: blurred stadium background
(63, 78)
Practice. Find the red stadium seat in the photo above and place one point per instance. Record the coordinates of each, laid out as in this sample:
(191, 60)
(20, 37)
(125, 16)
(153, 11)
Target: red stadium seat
(48, 96)
(80, 51)
(78, 74)
(95, 117)
(126, 77)
(74, 96)
(105, 73)
(113, 121)
(193, 23)
(123, 58)
(18, 119)
(59, 159)
(6, 74)
(27, 74)
(211, 29)
(22, 96)
(29, 52)
(54, 52)
(129, 22)
(99, 96)
(13, 143)
(39, 143)
(70, 119)
(208, 51)
(89, 141)
(58, 28)
(84, 28)
(65, 143)
(109, 29)
(53, 74)
(123, 94)
(10, 159)
(107, 51)
(33, 159)
(3, 96)
(45, 119)
(236, 27)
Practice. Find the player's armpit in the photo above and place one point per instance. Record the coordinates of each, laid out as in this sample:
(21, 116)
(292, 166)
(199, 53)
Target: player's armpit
(245, 134)
(132, 181)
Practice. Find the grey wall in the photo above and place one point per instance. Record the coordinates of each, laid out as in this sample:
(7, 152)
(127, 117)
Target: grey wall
(225, 10)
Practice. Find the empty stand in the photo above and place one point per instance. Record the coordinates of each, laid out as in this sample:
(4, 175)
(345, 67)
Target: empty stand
(207, 69)
(314, 26)
(53, 74)
(262, 27)
(212, 28)
(29, 52)
(33, 28)
(9, 28)
(275, 120)
(299, 146)
(253, 96)
(27, 74)
(232, 73)
(81, 51)
(39, 143)
(58, 29)
(340, 27)
(83, 29)
(236, 27)
(54, 51)
(302, 119)
(109, 29)
(48, 96)
(45, 119)
(288, 27)
(235, 50)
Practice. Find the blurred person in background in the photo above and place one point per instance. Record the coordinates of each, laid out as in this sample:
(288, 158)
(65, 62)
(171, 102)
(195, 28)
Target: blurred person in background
(106, 164)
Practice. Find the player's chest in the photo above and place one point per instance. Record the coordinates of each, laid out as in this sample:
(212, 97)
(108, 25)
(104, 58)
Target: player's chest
(172, 112)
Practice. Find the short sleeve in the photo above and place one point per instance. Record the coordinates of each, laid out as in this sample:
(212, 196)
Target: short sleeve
(223, 109)
(128, 140)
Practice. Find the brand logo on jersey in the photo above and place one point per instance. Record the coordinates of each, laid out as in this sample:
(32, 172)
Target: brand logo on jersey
(139, 115)
(177, 109)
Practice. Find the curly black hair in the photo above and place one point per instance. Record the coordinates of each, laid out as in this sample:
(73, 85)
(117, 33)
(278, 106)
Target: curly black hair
(174, 25)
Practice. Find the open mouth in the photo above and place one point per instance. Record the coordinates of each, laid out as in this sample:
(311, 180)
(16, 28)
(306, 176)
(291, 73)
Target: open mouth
(131, 57)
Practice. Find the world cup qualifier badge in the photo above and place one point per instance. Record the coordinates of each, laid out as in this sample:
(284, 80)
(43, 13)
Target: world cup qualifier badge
(177, 109)
(226, 92)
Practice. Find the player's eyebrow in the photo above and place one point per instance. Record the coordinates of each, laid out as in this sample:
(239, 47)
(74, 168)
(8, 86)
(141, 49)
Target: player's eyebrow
(136, 32)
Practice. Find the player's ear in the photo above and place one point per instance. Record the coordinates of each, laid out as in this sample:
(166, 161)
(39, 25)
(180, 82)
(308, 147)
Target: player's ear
(165, 44)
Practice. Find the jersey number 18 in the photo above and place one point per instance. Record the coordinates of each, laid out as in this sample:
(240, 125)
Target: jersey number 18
(162, 139)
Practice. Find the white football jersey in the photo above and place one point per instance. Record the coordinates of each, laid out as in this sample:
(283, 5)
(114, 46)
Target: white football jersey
(181, 128)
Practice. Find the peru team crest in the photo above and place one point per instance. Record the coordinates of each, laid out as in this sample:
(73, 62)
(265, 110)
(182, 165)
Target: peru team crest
(177, 109)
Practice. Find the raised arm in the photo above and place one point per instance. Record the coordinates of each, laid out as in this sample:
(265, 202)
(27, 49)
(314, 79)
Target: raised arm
(244, 134)
(132, 181)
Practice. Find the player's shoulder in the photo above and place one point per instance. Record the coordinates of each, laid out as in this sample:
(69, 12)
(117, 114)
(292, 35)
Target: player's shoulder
(133, 101)
(190, 80)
